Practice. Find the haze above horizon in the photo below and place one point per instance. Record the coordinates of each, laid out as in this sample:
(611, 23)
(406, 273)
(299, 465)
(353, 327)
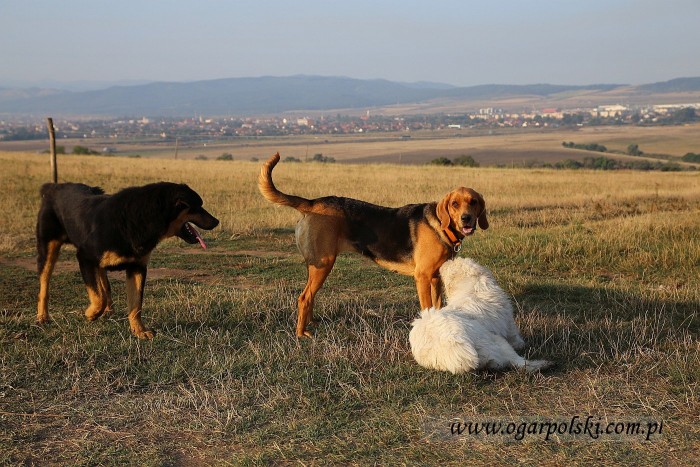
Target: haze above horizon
(462, 43)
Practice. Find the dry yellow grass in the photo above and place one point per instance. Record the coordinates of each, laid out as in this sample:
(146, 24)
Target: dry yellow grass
(228, 187)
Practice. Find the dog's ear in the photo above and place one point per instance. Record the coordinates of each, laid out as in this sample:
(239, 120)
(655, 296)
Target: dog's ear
(442, 212)
(172, 208)
(483, 221)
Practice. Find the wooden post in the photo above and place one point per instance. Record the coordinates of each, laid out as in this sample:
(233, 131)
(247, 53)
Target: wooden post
(52, 141)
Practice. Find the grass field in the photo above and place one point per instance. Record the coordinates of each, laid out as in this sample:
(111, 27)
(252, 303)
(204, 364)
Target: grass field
(603, 268)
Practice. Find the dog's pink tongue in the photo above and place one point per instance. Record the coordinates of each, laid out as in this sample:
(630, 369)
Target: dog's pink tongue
(201, 241)
(199, 237)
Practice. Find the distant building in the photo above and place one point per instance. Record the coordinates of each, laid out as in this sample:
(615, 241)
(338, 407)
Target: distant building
(666, 108)
(610, 110)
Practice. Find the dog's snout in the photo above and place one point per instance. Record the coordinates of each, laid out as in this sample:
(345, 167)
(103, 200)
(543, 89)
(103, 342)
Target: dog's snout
(204, 219)
(467, 218)
(213, 222)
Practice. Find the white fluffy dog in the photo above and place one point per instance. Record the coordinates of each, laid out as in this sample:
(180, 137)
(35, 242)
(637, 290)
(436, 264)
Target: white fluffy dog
(475, 330)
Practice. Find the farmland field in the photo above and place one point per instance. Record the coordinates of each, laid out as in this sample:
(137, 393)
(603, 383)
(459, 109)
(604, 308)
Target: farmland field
(509, 147)
(603, 269)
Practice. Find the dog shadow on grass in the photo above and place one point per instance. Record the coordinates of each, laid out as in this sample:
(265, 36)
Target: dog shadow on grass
(575, 327)
(581, 327)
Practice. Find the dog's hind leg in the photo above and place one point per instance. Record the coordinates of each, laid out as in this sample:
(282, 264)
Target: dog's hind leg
(48, 252)
(496, 353)
(532, 366)
(317, 276)
(135, 282)
(317, 240)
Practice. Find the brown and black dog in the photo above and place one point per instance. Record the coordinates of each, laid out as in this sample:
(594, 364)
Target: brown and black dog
(414, 240)
(113, 232)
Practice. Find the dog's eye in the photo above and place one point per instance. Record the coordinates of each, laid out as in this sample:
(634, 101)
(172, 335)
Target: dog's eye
(455, 204)
(472, 202)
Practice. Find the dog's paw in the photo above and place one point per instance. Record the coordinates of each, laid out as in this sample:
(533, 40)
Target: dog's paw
(42, 319)
(145, 334)
(305, 333)
(93, 313)
(532, 366)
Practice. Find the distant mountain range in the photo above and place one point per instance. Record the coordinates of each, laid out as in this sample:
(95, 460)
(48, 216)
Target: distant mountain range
(275, 95)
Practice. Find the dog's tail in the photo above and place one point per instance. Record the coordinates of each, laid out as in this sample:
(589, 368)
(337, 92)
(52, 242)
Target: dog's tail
(272, 194)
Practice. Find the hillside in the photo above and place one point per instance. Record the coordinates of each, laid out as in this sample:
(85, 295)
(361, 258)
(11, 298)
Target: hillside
(263, 95)
(274, 95)
(674, 85)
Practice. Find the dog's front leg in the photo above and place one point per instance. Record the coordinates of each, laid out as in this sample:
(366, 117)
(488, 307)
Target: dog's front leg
(94, 278)
(105, 292)
(423, 284)
(436, 292)
(135, 282)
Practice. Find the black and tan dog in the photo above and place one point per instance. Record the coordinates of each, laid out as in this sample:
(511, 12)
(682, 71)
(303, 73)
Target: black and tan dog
(113, 232)
(414, 240)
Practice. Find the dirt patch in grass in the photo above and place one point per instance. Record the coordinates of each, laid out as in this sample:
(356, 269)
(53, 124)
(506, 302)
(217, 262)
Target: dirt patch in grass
(67, 264)
(233, 252)
(68, 267)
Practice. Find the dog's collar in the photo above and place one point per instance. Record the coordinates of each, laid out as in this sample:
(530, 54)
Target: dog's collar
(456, 243)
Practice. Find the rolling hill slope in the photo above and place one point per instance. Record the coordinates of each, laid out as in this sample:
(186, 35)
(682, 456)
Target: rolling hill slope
(270, 95)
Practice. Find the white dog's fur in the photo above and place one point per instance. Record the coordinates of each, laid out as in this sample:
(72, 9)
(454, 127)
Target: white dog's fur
(475, 330)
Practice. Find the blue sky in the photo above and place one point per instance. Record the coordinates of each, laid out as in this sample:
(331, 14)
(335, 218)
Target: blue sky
(457, 42)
